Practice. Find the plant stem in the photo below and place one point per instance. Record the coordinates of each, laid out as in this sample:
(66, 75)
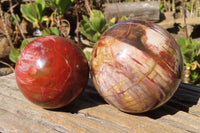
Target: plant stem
(191, 3)
(16, 22)
(87, 6)
(118, 13)
(34, 10)
(77, 25)
(108, 3)
(184, 17)
(173, 6)
(1, 31)
(37, 17)
(91, 4)
(2, 62)
(4, 26)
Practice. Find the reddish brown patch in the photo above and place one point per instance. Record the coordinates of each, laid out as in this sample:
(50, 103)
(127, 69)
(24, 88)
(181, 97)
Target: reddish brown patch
(167, 67)
(100, 44)
(167, 58)
(135, 60)
(95, 53)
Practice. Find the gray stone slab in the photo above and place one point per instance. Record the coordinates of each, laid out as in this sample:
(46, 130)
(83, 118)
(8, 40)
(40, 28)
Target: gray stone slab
(134, 10)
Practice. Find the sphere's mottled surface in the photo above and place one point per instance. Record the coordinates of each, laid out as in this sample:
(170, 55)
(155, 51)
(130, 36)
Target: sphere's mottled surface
(51, 71)
(136, 66)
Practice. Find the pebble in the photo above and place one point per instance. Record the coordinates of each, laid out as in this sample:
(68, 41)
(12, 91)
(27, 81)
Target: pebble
(5, 71)
(4, 47)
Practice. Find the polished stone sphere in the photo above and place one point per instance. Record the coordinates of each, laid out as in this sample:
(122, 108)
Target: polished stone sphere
(51, 71)
(136, 66)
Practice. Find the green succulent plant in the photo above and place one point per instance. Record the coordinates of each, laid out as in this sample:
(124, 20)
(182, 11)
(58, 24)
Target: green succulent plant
(14, 53)
(191, 57)
(12, 20)
(93, 26)
(60, 5)
(33, 12)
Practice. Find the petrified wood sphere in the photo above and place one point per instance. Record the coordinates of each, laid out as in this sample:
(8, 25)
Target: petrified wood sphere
(136, 66)
(51, 71)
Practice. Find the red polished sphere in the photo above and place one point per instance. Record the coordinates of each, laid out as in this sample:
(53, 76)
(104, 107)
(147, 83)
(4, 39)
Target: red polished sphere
(136, 66)
(51, 71)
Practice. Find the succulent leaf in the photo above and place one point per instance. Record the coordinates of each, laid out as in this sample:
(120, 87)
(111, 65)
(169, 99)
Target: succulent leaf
(14, 53)
(98, 20)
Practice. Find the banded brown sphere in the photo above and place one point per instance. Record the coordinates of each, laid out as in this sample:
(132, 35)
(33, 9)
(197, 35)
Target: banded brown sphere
(136, 66)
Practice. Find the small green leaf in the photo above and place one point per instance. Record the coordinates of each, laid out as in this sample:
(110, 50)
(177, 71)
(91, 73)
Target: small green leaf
(14, 53)
(51, 31)
(86, 28)
(198, 58)
(45, 18)
(18, 18)
(88, 55)
(12, 20)
(96, 37)
(188, 49)
(41, 4)
(60, 5)
(198, 46)
(123, 18)
(88, 34)
(87, 22)
(194, 76)
(92, 43)
(63, 5)
(104, 28)
(162, 7)
(23, 44)
(27, 11)
(51, 4)
(98, 20)
(181, 41)
(189, 7)
(85, 18)
(113, 20)
(93, 27)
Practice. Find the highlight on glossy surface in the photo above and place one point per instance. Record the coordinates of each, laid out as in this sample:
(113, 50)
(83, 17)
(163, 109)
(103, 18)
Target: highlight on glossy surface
(136, 66)
(51, 71)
